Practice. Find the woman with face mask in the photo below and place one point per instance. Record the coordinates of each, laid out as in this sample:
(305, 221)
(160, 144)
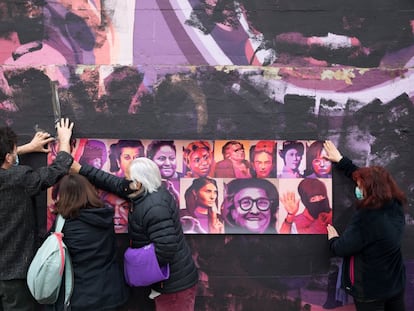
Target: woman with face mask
(373, 268)
(317, 213)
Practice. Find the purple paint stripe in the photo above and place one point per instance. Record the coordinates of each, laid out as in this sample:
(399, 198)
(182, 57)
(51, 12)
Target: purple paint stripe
(186, 45)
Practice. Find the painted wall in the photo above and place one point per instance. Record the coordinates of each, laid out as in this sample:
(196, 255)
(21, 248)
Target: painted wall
(195, 69)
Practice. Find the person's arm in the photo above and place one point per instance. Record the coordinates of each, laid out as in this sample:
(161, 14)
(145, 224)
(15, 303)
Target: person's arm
(39, 143)
(335, 156)
(122, 187)
(44, 177)
(162, 232)
(348, 243)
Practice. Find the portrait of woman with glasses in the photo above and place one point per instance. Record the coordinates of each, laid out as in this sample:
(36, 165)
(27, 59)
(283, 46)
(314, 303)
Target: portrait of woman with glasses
(317, 166)
(250, 206)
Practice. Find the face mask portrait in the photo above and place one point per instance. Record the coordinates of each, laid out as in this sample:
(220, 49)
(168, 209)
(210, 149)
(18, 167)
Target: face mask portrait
(314, 196)
(358, 193)
(318, 206)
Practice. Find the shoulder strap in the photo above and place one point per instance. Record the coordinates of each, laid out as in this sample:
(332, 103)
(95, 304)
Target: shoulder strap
(60, 222)
(68, 280)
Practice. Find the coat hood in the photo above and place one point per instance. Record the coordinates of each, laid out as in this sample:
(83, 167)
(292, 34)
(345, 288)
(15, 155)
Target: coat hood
(99, 217)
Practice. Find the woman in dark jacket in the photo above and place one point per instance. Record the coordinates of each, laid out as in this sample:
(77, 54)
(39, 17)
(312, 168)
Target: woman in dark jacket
(154, 218)
(373, 270)
(89, 235)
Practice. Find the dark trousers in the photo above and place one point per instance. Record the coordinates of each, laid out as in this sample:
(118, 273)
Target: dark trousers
(15, 296)
(179, 301)
(395, 303)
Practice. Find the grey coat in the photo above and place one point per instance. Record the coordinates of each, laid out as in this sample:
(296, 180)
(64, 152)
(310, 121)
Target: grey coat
(18, 185)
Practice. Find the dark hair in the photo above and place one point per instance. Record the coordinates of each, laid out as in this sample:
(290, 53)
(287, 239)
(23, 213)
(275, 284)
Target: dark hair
(191, 199)
(379, 187)
(313, 152)
(93, 149)
(156, 145)
(8, 140)
(227, 145)
(234, 186)
(122, 75)
(291, 144)
(75, 193)
(120, 86)
(267, 146)
(115, 151)
(224, 12)
(54, 144)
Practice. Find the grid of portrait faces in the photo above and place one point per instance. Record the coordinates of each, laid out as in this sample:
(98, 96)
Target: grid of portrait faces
(223, 186)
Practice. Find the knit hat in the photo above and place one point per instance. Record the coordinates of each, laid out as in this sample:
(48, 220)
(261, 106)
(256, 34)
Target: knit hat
(310, 187)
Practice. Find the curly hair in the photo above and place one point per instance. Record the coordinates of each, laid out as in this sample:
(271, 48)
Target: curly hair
(193, 146)
(156, 145)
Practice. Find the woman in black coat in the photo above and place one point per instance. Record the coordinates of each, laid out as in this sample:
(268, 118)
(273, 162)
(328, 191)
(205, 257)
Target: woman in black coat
(373, 268)
(89, 235)
(154, 218)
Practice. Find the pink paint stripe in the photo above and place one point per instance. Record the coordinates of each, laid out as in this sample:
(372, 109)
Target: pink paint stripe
(352, 270)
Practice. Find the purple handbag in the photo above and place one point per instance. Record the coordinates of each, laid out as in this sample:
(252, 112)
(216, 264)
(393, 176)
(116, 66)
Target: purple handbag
(141, 266)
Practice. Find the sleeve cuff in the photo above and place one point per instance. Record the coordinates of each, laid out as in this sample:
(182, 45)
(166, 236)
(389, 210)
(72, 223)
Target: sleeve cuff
(64, 158)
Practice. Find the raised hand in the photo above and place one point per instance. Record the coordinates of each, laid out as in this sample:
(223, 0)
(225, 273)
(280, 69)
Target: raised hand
(64, 132)
(332, 153)
(290, 202)
(39, 143)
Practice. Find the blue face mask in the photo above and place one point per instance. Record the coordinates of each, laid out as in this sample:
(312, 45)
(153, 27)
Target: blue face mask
(16, 162)
(358, 193)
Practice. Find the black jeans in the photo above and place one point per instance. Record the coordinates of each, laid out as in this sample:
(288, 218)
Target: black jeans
(15, 296)
(395, 303)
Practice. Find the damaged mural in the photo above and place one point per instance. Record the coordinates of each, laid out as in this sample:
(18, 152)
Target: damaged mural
(218, 71)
